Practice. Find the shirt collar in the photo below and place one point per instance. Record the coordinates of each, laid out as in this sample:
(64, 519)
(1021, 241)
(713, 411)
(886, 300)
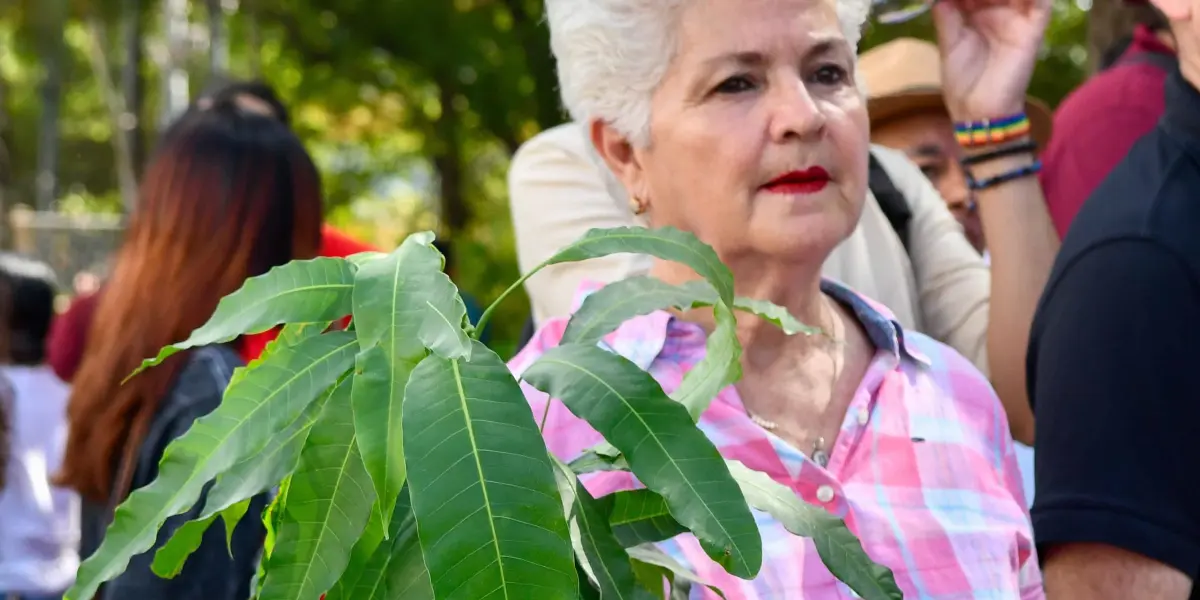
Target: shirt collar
(1182, 106)
(1145, 40)
(641, 339)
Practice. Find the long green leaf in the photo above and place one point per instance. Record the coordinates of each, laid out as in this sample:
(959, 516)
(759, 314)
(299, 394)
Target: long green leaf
(603, 556)
(841, 552)
(651, 555)
(360, 555)
(255, 408)
(606, 309)
(642, 516)
(328, 505)
(308, 291)
(720, 368)
(666, 243)
(169, 559)
(664, 448)
(483, 489)
(403, 303)
(396, 570)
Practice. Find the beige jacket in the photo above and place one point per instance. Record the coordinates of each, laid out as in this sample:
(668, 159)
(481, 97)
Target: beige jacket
(940, 287)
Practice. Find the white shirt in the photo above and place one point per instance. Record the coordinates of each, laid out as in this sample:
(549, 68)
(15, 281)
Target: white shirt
(39, 523)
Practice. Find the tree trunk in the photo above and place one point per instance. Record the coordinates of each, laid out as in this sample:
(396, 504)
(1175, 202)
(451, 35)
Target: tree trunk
(5, 168)
(1108, 21)
(126, 178)
(133, 85)
(218, 42)
(448, 162)
(175, 94)
(52, 17)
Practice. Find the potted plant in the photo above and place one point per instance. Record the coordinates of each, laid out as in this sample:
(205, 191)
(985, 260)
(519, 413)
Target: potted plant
(408, 464)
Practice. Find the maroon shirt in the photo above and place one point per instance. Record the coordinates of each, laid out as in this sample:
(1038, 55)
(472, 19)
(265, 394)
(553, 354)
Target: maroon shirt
(1097, 124)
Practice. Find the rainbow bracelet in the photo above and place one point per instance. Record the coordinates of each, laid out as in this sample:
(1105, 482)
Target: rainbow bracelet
(991, 131)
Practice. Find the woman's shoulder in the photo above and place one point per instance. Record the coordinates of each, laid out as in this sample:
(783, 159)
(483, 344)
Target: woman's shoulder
(949, 383)
(201, 381)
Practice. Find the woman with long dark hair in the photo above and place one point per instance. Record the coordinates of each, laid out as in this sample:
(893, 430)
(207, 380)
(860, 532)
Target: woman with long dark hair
(229, 195)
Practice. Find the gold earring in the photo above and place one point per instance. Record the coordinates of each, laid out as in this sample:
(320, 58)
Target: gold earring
(636, 205)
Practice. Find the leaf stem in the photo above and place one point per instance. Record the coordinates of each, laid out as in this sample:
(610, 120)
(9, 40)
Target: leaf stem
(545, 415)
(487, 314)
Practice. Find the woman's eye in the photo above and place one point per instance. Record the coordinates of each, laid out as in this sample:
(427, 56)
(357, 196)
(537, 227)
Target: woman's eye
(932, 172)
(830, 75)
(735, 85)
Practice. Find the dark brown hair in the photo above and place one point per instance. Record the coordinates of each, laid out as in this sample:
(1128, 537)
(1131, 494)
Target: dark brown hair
(228, 196)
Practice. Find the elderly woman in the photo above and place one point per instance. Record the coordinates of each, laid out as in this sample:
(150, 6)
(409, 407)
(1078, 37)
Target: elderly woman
(742, 121)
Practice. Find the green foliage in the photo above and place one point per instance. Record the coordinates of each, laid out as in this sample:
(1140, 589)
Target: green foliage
(455, 496)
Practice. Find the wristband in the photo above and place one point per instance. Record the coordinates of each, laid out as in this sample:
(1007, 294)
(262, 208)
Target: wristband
(973, 134)
(1017, 173)
(1022, 147)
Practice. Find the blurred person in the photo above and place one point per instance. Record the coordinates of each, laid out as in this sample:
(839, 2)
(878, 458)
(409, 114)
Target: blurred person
(70, 330)
(1099, 121)
(908, 251)
(1112, 364)
(39, 522)
(742, 122)
(228, 195)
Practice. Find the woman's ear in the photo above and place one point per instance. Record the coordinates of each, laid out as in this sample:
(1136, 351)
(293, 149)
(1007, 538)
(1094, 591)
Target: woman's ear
(618, 153)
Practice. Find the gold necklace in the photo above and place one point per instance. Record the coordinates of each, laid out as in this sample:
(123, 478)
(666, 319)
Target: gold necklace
(818, 453)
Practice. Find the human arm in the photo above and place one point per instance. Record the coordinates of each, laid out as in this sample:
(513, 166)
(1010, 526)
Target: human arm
(1112, 380)
(988, 53)
(556, 194)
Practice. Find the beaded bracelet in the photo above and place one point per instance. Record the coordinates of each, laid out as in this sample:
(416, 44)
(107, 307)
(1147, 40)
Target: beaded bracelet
(1022, 147)
(991, 131)
(1017, 173)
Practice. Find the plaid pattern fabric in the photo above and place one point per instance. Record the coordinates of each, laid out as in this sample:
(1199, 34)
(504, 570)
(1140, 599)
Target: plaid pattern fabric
(923, 470)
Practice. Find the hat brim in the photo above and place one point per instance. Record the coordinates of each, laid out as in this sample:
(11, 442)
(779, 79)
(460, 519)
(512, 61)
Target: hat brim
(886, 108)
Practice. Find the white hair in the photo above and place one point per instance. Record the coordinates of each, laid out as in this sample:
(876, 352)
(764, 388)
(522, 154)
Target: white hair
(612, 55)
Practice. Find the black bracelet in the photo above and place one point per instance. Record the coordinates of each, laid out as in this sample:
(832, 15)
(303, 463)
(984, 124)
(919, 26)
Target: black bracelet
(1001, 152)
(1017, 173)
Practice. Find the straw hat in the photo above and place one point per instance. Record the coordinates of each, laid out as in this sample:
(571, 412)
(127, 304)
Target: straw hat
(905, 75)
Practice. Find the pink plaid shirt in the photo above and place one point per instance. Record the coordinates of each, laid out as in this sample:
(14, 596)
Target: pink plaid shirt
(923, 471)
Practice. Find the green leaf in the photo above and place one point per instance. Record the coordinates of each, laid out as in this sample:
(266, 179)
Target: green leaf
(666, 243)
(170, 558)
(665, 450)
(841, 552)
(720, 368)
(362, 552)
(607, 308)
(329, 503)
(482, 485)
(396, 570)
(308, 291)
(403, 303)
(651, 555)
(591, 462)
(255, 408)
(642, 516)
(231, 517)
(604, 559)
(652, 578)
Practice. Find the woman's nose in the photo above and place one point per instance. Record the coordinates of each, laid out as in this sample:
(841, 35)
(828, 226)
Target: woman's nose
(794, 112)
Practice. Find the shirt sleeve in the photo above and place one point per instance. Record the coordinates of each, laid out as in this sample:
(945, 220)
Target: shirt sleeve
(557, 193)
(1111, 366)
(954, 284)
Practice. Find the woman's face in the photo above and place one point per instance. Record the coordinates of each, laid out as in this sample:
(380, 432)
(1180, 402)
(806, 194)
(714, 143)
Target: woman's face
(927, 138)
(758, 136)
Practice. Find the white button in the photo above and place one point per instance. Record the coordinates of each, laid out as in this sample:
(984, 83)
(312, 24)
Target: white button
(825, 493)
(863, 416)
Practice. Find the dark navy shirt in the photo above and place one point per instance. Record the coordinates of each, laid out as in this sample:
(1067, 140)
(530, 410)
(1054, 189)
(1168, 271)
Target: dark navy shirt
(1114, 356)
(210, 573)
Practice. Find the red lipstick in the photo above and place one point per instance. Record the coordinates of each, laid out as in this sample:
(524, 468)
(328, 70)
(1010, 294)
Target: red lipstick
(808, 181)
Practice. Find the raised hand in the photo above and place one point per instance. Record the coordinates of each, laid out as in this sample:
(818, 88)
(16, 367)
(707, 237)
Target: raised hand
(989, 48)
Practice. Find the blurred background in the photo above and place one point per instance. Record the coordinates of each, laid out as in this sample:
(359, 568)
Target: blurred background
(411, 108)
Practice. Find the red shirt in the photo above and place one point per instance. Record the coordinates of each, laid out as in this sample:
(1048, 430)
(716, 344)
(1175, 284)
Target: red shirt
(1097, 124)
(68, 332)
